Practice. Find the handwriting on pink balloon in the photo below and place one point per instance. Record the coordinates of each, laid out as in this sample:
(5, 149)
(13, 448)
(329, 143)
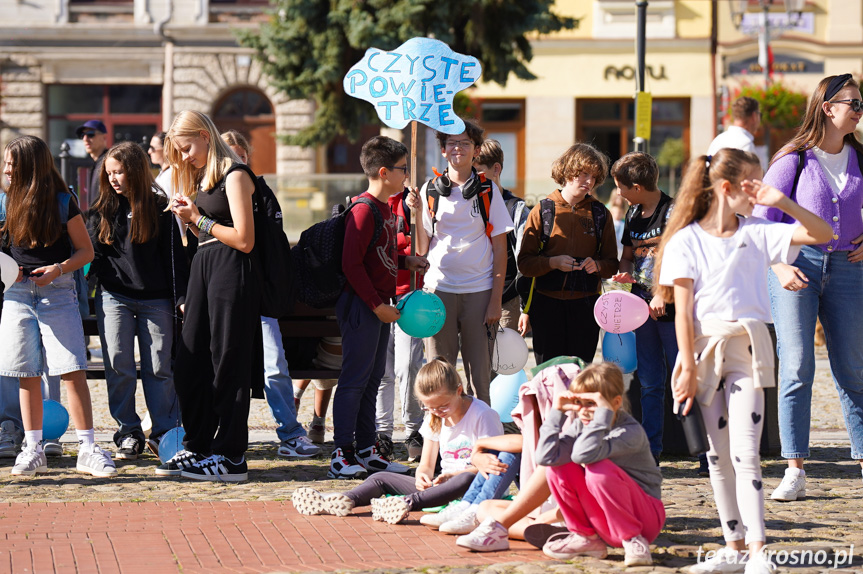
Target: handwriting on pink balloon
(620, 312)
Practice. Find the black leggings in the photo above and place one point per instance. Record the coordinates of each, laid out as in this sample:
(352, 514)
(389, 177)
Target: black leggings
(220, 353)
(563, 327)
(381, 483)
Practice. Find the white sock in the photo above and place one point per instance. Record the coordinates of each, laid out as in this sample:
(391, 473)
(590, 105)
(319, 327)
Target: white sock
(794, 472)
(316, 420)
(298, 392)
(86, 438)
(34, 439)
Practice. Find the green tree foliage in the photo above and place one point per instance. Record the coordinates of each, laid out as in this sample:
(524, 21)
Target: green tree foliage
(308, 46)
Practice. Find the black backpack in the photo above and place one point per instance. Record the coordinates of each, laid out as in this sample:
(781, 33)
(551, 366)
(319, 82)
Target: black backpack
(271, 256)
(317, 257)
(509, 283)
(556, 280)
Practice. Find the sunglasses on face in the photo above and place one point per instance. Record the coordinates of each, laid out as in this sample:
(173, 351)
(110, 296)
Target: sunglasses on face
(856, 105)
(88, 135)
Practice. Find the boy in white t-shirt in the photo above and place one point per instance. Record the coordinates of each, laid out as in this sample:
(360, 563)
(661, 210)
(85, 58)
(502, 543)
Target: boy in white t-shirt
(467, 256)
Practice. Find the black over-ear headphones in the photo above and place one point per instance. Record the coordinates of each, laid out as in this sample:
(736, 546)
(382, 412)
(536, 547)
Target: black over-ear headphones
(472, 186)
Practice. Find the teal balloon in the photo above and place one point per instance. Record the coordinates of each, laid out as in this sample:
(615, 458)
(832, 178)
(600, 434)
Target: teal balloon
(86, 269)
(422, 314)
(55, 420)
(171, 443)
(504, 394)
(619, 348)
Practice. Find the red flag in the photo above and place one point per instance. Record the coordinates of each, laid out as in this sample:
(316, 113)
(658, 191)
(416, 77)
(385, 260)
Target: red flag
(769, 61)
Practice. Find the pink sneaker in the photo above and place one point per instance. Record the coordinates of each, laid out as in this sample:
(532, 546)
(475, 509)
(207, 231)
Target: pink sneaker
(568, 545)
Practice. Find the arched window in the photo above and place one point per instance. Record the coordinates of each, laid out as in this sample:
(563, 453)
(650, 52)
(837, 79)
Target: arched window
(249, 111)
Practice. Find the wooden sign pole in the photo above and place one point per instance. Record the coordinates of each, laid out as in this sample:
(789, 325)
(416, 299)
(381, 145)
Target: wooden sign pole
(413, 211)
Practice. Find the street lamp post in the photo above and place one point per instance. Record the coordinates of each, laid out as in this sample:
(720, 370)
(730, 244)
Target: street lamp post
(794, 9)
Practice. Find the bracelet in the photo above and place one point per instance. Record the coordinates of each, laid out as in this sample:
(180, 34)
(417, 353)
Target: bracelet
(206, 224)
(60, 267)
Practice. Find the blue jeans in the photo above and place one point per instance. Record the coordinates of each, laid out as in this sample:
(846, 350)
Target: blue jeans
(364, 357)
(656, 350)
(278, 386)
(835, 295)
(495, 486)
(120, 320)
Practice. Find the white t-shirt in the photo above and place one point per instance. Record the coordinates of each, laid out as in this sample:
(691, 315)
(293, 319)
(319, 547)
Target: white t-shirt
(456, 442)
(834, 166)
(460, 255)
(729, 273)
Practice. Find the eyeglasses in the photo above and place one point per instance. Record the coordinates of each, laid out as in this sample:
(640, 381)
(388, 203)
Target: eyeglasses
(88, 135)
(462, 144)
(442, 410)
(856, 105)
(403, 168)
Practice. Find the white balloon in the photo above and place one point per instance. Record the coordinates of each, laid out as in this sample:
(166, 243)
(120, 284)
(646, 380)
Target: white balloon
(8, 271)
(510, 352)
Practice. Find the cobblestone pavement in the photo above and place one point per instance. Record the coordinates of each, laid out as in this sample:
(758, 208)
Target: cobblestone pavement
(125, 521)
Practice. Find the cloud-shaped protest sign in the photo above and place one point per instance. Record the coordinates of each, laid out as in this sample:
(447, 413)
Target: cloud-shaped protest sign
(416, 81)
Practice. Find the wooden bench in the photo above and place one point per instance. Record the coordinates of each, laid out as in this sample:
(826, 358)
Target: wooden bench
(306, 322)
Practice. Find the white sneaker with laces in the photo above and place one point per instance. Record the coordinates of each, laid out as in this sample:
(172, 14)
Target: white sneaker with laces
(722, 561)
(95, 461)
(759, 563)
(792, 487)
(489, 536)
(568, 545)
(435, 519)
(637, 552)
(464, 523)
(391, 509)
(29, 463)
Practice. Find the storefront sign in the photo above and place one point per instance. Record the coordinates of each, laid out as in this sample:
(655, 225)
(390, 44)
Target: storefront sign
(782, 64)
(628, 73)
(415, 82)
(751, 23)
(643, 114)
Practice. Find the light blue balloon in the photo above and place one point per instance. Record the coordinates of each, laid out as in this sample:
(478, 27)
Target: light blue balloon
(55, 420)
(619, 348)
(504, 394)
(171, 443)
(422, 314)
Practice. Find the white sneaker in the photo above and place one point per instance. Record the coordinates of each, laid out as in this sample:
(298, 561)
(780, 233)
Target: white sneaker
(723, 560)
(343, 464)
(792, 487)
(759, 563)
(29, 463)
(391, 509)
(568, 545)
(464, 523)
(435, 519)
(298, 448)
(96, 462)
(489, 536)
(310, 502)
(637, 552)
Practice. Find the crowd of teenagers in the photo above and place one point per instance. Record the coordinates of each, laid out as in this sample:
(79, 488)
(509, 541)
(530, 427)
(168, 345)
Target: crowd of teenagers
(173, 267)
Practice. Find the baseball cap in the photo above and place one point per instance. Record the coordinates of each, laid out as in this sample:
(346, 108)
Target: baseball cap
(91, 125)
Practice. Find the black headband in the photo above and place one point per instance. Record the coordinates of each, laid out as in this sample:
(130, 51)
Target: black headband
(835, 85)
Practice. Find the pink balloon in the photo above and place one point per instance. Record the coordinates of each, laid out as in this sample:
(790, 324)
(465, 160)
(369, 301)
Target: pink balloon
(620, 312)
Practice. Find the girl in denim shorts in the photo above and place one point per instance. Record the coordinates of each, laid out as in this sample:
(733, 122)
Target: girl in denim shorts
(43, 230)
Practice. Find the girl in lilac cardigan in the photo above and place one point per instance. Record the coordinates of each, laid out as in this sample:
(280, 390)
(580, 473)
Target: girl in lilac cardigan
(826, 281)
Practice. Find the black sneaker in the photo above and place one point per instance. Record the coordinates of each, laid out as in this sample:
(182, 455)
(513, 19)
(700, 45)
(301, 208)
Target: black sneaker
(385, 445)
(703, 467)
(414, 445)
(218, 468)
(129, 447)
(178, 463)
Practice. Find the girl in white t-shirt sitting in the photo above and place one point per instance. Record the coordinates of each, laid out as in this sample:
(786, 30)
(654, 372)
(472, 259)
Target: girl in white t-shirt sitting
(455, 421)
(714, 263)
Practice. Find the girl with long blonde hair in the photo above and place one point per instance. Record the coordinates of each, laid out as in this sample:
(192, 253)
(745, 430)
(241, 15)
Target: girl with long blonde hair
(220, 355)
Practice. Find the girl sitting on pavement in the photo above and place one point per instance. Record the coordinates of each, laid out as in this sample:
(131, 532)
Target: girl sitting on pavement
(715, 255)
(600, 471)
(454, 423)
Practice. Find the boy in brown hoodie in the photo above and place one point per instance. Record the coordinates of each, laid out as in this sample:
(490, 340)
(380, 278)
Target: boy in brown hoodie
(569, 257)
